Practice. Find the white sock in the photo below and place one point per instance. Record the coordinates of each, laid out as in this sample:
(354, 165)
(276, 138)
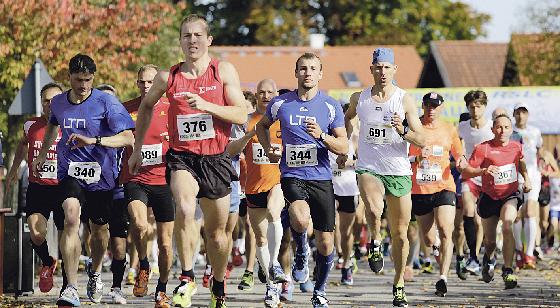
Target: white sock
(531, 234)
(236, 243)
(443, 277)
(274, 237)
(242, 246)
(263, 255)
(517, 229)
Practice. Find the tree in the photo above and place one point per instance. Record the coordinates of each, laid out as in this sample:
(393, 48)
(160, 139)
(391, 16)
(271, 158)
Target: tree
(112, 32)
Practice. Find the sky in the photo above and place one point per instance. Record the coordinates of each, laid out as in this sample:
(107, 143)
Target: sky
(505, 17)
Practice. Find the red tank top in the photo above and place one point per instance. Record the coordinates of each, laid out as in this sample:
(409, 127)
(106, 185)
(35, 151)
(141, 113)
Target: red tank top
(191, 130)
(156, 144)
(34, 130)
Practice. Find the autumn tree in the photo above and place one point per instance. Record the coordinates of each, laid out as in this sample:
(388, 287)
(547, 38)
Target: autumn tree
(112, 32)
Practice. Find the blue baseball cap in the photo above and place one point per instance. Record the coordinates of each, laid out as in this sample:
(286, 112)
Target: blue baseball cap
(383, 55)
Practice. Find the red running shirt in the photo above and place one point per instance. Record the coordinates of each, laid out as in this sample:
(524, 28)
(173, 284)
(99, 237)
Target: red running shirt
(34, 130)
(156, 144)
(191, 130)
(506, 158)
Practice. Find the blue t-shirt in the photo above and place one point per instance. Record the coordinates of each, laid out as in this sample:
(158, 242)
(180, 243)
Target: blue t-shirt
(303, 156)
(101, 114)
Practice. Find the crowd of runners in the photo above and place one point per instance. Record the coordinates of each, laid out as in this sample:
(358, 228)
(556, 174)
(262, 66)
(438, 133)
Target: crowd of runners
(281, 176)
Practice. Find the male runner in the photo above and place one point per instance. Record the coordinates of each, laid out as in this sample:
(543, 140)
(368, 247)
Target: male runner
(205, 99)
(532, 144)
(498, 161)
(473, 132)
(383, 167)
(148, 189)
(42, 192)
(311, 124)
(94, 124)
(264, 194)
(433, 187)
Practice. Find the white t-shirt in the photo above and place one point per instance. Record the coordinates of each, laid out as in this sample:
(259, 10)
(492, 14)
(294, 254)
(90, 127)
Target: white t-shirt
(472, 136)
(344, 180)
(532, 140)
(555, 194)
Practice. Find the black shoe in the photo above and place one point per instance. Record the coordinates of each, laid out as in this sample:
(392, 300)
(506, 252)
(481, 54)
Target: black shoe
(488, 269)
(375, 258)
(441, 288)
(399, 297)
(261, 274)
(357, 252)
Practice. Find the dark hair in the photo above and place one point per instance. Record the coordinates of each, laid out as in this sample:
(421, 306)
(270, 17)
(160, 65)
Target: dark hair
(465, 116)
(107, 87)
(501, 116)
(82, 64)
(309, 56)
(194, 18)
(250, 96)
(476, 96)
(51, 85)
(283, 91)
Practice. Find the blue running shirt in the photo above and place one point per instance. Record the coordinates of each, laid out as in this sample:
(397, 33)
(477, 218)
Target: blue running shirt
(303, 156)
(101, 114)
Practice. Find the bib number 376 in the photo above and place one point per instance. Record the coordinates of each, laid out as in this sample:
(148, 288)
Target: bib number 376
(89, 172)
(195, 127)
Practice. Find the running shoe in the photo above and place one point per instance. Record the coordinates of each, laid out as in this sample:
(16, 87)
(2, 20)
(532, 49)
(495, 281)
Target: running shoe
(95, 288)
(162, 300)
(261, 274)
(247, 281)
(217, 301)
(46, 277)
(530, 262)
(207, 276)
(354, 265)
(287, 292)
(69, 297)
(300, 268)
(131, 277)
(460, 267)
(509, 278)
(183, 293)
(399, 297)
(519, 259)
(117, 296)
(375, 258)
(272, 296)
(427, 267)
(236, 257)
(141, 284)
(538, 252)
(473, 266)
(488, 269)
(441, 288)
(306, 287)
(346, 278)
(88, 264)
(277, 274)
(319, 300)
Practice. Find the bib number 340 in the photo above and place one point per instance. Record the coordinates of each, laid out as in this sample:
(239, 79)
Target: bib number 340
(89, 172)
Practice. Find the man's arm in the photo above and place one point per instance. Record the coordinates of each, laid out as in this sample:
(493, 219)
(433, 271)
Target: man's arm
(122, 139)
(263, 134)
(21, 150)
(351, 114)
(51, 132)
(527, 180)
(235, 111)
(415, 133)
(235, 147)
(338, 142)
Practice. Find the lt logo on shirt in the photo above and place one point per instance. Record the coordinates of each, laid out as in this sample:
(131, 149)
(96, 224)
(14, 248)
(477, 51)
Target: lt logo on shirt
(74, 123)
(299, 119)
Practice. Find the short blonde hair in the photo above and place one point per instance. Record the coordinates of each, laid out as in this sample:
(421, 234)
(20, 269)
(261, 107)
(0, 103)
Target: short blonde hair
(194, 18)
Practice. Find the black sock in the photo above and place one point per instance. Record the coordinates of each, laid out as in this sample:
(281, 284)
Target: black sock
(218, 288)
(144, 263)
(64, 278)
(43, 252)
(470, 235)
(189, 273)
(161, 286)
(117, 268)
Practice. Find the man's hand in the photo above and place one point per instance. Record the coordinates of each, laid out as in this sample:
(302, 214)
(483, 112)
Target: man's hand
(397, 123)
(78, 141)
(461, 164)
(313, 129)
(274, 154)
(37, 165)
(196, 102)
(527, 186)
(492, 170)
(341, 161)
(135, 162)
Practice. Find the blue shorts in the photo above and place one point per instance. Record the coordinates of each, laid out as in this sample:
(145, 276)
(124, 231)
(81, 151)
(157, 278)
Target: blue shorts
(554, 214)
(285, 218)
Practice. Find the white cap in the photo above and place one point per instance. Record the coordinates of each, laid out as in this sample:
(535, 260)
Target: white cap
(520, 105)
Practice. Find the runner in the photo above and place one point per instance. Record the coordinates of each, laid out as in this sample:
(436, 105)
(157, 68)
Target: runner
(498, 162)
(433, 187)
(94, 124)
(383, 167)
(205, 99)
(148, 188)
(311, 124)
(532, 144)
(473, 132)
(264, 194)
(42, 192)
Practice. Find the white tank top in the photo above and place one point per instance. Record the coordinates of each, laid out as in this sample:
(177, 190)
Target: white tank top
(380, 148)
(344, 180)
(555, 194)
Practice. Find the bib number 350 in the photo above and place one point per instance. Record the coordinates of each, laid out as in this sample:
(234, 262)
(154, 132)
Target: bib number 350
(89, 172)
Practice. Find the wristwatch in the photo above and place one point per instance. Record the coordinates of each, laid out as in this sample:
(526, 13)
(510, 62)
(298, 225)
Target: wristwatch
(97, 140)
(322, 136)
(405, 131)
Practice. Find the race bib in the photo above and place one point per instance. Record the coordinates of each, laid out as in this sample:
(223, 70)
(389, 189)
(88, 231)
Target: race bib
(377, 133)
(428, 175)
(336, 173)
(259, 156)
(437, 150)
(152, 154)
(48, 170)
(89, 172)
(301, 155)
(506, 175)
(195, 127)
